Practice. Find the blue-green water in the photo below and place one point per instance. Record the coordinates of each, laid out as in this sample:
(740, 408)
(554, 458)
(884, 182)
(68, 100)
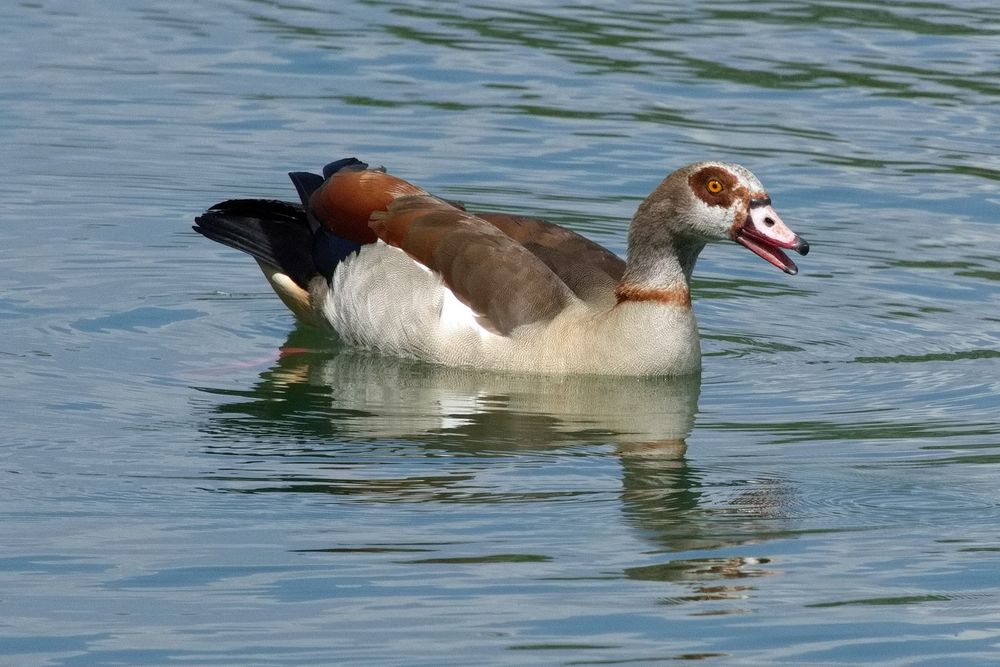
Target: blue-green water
(188, 478)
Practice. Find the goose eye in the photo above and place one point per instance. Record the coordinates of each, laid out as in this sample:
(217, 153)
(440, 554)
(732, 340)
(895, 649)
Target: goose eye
(714, 186)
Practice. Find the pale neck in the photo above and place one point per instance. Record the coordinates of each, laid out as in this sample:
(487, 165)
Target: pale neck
(657, 258)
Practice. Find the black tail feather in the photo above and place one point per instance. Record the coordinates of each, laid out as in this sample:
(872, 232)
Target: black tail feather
(280, 233)
(273, 232)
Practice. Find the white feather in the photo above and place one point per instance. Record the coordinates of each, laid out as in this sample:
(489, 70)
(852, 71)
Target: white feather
(456, 316)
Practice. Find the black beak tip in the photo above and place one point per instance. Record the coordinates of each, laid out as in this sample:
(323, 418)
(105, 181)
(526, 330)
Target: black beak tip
(801, 246)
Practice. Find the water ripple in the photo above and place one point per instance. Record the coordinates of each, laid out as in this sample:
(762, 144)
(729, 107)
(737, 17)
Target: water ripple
(183, 483)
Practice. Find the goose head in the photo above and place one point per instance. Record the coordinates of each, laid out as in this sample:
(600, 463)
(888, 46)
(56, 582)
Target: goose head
(713, 201)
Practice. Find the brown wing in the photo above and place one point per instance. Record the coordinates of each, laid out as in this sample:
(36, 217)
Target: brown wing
(345, 202)
(588, 269)
(490, 271)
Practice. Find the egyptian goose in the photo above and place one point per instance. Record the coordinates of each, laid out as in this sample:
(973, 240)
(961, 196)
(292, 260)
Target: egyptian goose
(392, 268)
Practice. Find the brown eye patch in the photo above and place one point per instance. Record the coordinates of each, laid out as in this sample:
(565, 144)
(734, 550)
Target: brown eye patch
(716, 186)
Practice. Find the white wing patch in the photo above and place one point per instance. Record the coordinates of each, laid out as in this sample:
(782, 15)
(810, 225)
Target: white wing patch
(456, 316)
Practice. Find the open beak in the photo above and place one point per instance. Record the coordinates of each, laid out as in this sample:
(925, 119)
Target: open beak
(764, 234)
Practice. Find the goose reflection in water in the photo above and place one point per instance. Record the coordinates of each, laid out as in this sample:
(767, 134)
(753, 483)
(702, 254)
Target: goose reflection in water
(318, 415)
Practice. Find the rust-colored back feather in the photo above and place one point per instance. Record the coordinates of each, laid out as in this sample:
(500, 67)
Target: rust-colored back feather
(345, 202)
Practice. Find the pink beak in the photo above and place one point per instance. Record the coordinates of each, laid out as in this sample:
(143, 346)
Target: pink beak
(764, 234)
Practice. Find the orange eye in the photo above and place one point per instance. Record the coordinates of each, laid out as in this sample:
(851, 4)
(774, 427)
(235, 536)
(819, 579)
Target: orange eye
(714, 186)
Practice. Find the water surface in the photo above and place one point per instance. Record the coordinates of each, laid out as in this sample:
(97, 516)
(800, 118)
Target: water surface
(189, 477)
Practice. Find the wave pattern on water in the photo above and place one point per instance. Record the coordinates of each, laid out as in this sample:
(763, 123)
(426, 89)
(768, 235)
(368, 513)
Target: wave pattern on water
(184, 483)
